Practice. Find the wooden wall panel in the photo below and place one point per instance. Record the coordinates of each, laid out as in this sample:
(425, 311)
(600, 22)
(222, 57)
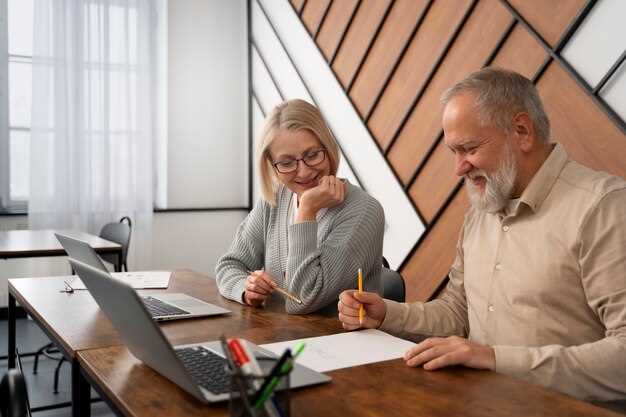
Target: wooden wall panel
(334, 26)
(435, 182)
(298, 5)
(426, 47)
(360, 35)
(386, 50)
(585, 131)
(313, 14)
(511, 58)
(384, 61)
(550, 18)
(480, 34)
(428, 266)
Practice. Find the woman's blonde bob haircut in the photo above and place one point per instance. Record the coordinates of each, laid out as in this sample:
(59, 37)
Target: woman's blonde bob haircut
(292, 115)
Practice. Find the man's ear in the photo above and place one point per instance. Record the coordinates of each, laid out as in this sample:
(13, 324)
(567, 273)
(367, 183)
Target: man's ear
(524, 131)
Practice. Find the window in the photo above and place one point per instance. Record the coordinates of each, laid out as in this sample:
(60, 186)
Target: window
(16, 47)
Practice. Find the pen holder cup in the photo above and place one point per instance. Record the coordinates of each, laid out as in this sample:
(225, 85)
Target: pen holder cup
(245, 395)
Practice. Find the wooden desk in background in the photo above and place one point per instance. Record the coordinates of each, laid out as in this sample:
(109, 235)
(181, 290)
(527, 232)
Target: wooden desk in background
(390, 388)
(42, 243)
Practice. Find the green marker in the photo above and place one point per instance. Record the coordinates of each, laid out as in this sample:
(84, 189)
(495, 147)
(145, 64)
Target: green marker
(286, 368)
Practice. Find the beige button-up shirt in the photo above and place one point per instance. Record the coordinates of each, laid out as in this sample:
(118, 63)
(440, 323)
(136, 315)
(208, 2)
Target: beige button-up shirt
(543, 283)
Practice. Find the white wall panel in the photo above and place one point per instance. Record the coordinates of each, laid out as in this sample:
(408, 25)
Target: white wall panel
(599, 40)
(614, 92)
(208, 104)
(403, 224)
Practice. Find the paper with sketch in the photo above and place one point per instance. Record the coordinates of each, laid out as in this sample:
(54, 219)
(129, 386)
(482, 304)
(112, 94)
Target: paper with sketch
(137, 279)
(343, 350)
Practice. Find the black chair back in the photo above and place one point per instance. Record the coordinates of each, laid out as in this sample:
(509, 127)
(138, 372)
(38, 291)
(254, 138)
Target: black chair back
(120, 233)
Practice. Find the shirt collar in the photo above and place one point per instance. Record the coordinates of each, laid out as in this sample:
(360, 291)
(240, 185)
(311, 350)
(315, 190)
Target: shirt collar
(543, 181)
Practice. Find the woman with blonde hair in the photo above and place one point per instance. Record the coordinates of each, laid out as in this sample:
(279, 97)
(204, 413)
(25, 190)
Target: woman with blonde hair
(311, 231)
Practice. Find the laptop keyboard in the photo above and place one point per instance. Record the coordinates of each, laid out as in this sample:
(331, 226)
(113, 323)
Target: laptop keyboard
(207, 368)
(158, 308)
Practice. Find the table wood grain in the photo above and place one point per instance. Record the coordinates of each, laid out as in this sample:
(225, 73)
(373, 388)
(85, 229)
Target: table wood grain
(34, 243)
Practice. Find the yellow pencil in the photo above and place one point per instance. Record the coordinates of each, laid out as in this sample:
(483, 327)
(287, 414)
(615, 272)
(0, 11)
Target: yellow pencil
(361, 309)
(288, 295)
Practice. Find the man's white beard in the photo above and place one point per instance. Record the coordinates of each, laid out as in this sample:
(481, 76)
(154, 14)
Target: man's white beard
(498, 186)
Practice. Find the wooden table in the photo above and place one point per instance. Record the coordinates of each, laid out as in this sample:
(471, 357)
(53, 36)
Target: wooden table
(40, 243)
(385, 388)
(86, 336)
(74, 322)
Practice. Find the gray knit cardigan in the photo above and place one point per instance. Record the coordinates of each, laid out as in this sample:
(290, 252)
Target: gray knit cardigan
(314, 260)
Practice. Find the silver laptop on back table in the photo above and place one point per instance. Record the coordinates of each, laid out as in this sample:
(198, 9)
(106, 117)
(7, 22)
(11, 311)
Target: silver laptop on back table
(167, 306)
(198, 369)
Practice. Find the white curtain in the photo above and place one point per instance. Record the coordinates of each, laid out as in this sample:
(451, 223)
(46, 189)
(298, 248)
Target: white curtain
(94, 117)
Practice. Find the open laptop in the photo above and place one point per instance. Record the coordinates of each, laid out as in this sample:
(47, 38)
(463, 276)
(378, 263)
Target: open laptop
(167, 306)
(198, 369)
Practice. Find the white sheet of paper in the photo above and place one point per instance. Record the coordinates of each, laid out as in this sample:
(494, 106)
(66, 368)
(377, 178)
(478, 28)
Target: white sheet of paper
(343, 350)
(137, 279)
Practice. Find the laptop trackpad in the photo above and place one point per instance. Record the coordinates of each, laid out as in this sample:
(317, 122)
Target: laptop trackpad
(191, 304)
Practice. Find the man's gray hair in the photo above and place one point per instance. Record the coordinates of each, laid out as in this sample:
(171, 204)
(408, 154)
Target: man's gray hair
(499, 95)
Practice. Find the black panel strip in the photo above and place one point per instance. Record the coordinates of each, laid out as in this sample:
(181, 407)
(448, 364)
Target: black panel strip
(267, 68)
(369, 47)
(608, 111)
(576, 22)
(418, 24)
(319, 27)
(609, 74)
(302, 81)
(431, 75)
(434, 145)
(199, 209)
(256, 100)
(301, 8)
(345, 32)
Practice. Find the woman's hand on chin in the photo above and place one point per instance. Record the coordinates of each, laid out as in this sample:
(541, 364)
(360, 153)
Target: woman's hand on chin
(330, 192)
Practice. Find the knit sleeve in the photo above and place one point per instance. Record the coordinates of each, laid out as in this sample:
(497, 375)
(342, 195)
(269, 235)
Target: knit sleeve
(246, 253)
(318, 273)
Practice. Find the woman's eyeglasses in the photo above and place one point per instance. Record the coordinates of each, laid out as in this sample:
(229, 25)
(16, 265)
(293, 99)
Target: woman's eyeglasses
(310, 159)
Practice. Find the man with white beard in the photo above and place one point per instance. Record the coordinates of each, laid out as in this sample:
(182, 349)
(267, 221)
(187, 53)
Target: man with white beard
(538, 287)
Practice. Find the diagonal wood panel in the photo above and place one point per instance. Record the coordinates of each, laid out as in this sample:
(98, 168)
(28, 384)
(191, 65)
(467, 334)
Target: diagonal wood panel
(313, 14)
(549, 18)
(394, 35)
(335, 23)
(480, 35)
(360, 36)
(428, 44)
(298, 4)
(428, 266)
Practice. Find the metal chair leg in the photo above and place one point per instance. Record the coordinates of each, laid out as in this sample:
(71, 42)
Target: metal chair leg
(40, 352)
(56, 375)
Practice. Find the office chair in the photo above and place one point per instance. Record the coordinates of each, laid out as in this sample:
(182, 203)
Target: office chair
(393, 283)
(119, 233)
(13, 393)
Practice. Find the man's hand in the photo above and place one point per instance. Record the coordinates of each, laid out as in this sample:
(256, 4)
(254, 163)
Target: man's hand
(330, 192)
(259, 285)
(349, 303)
(436, 352)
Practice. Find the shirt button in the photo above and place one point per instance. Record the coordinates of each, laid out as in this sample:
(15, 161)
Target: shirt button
(491, 308)
(498, 267)
(505, 228)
